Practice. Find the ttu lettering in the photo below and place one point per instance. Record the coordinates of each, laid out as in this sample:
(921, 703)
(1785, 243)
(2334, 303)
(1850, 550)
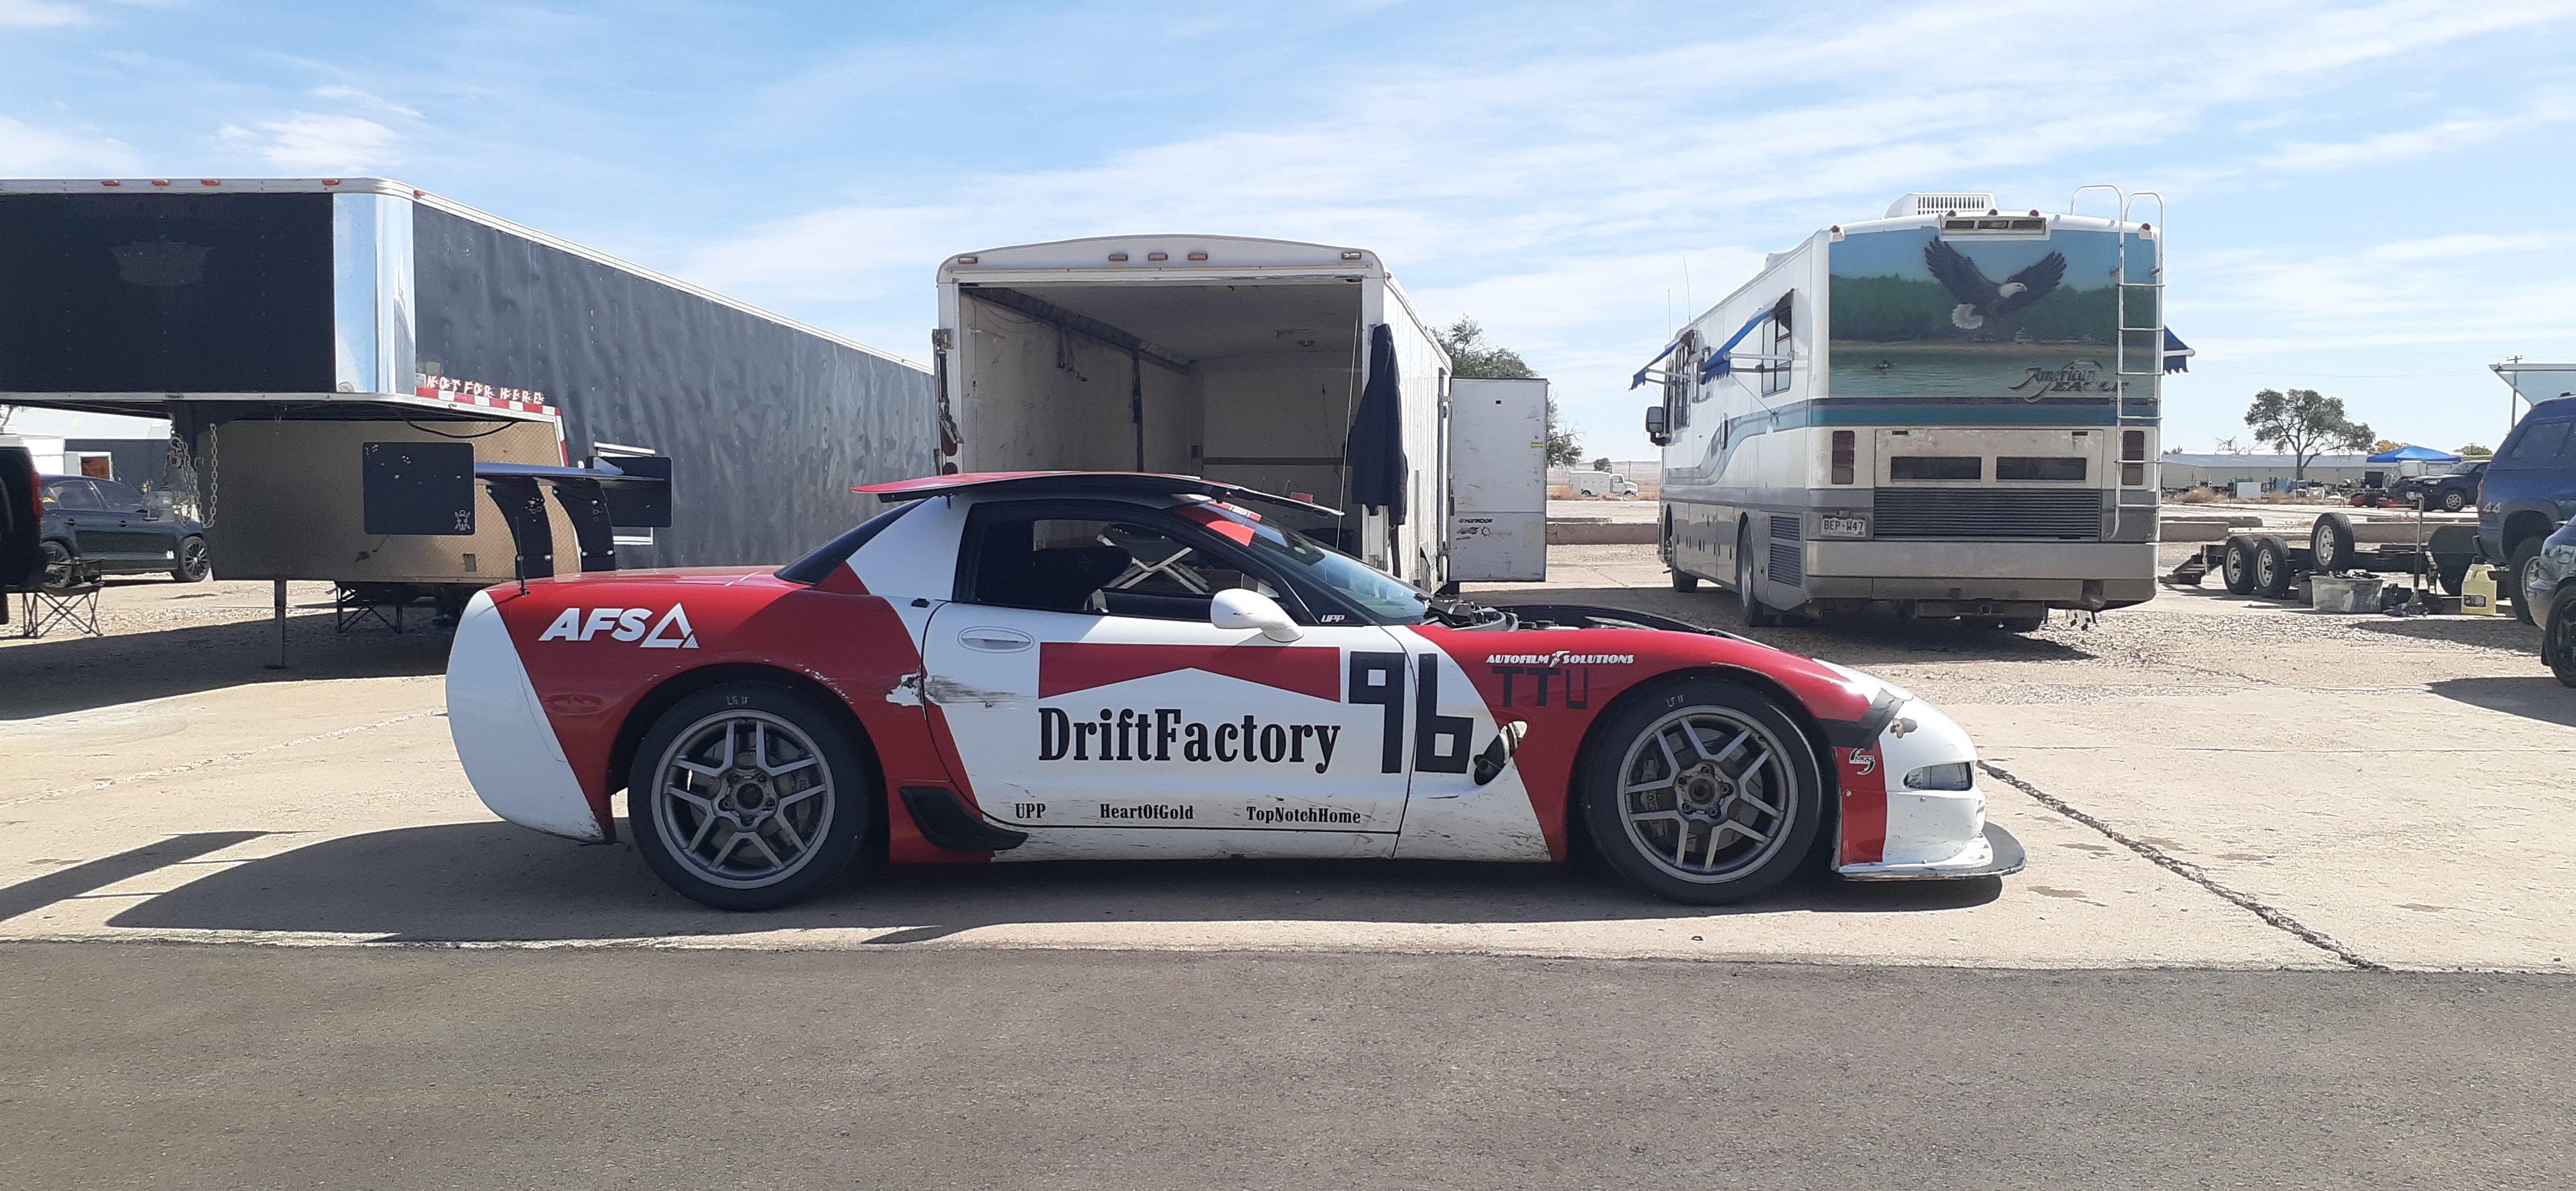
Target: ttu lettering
(1168, 734)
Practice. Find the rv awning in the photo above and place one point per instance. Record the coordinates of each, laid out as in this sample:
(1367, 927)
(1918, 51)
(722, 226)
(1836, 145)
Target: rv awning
(2177, 353)
(1640, 378)
(1719, 362)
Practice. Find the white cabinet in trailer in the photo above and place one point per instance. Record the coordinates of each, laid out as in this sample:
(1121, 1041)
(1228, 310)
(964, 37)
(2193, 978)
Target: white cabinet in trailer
(1497, 480)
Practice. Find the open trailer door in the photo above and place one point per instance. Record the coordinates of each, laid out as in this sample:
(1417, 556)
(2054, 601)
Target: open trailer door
(1497, 481)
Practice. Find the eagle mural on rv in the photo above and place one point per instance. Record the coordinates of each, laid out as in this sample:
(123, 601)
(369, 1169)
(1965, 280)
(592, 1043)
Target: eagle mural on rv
(1980, 299)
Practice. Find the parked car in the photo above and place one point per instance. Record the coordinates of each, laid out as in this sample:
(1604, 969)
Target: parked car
(2527, 493)
(2552, 588)
(2449, 492)
(105, 527)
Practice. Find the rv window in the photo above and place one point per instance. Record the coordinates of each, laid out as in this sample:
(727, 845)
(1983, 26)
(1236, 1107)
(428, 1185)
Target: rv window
(1935, 467)
(2039, 467)
(1775, 371)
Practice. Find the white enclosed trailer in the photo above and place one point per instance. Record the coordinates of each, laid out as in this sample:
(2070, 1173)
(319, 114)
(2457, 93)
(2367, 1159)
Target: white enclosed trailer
(1236, 359)
(1498, 476)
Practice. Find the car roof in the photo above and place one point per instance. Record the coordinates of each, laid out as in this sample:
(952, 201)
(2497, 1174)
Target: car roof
(1087, 483)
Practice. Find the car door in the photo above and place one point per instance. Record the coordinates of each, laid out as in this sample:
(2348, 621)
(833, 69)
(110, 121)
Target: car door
(1093, 705)
(140, 541)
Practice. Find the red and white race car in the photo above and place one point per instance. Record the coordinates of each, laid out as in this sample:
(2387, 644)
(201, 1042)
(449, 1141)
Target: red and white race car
(1117, 666)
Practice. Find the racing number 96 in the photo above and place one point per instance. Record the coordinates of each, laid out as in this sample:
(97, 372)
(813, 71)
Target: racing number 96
(1439, 741)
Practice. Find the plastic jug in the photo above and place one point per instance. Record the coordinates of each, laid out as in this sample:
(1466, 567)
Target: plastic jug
(2478, 590)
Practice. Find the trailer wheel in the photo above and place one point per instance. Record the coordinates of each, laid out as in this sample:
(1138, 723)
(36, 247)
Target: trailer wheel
(2558, 645)
(2272, 573)
(2331, 541)
(2238, 565)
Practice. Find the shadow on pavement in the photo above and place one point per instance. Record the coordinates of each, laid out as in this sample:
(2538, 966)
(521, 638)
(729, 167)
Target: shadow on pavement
(2540, 697)
(2492, 632)
(58, 674)
(1861, 640)
(36, 893)
(494, 881)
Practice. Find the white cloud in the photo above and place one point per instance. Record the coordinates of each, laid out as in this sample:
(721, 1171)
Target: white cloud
(311, 143)
(27, 152)
(352, 94)
(37, 14)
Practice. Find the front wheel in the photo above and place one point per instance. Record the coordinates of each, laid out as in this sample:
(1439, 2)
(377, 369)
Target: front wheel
(60, 566)
(2454, 500)
(1703, 792)
(747, 796)
(191, 566)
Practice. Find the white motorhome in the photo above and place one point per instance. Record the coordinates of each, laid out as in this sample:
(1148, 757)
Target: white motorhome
(1948, 412)
(1242, 360)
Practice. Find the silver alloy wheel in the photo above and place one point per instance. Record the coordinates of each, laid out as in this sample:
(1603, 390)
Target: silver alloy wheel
(2534, 570)
(2264, 571)
(743, 798)
(2454, 500)
(1707, 794)
(2321, 543)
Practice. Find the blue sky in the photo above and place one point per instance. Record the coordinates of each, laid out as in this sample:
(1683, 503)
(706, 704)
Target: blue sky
(2367, 199)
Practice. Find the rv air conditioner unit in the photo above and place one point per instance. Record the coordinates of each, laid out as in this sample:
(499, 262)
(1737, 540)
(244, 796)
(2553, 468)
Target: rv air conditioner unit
(1965, 203)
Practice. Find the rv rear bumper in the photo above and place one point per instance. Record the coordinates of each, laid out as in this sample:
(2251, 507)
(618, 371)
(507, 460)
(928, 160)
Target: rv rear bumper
(2058, 574)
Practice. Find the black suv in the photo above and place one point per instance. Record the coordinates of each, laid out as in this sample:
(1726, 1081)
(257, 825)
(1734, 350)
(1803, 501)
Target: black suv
(103, 527)
(2528, 492)
(2450, 492)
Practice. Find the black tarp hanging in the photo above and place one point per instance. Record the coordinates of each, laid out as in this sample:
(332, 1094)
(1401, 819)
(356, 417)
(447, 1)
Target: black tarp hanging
(1376, 448)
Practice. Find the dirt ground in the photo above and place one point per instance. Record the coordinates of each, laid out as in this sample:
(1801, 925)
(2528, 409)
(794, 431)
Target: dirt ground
(2205, 781)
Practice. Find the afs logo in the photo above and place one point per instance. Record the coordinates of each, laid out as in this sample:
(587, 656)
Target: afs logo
(672, 631)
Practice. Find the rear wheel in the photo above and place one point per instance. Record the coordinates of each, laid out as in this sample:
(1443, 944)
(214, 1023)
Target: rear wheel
(2272, 575)
(747, 796)
(2238, 565)
(1702, 792)
(191, 566)
(2558, 644)
(1757, 615)
(2524, 565)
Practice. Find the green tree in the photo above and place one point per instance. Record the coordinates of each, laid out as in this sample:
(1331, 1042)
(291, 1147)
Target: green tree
(2474, 451)
(2304, 424)
(1471, 358)
(1601, 464)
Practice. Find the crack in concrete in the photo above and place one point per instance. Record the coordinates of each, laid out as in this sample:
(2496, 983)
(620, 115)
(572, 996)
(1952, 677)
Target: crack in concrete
(2192, 873)
(147, 775)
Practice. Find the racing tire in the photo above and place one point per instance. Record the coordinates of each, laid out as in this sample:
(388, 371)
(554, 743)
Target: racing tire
(2454, 500)
(2526, 557)
(2558, 642)
(2272, 573)
(2237, 564)
(192, 565)
(749, 796)
(1684, 580)
(2330, 539)
(1757, 615)
(1701, 792)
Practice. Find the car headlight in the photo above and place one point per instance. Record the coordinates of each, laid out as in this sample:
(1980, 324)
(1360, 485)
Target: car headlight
(1954, 775)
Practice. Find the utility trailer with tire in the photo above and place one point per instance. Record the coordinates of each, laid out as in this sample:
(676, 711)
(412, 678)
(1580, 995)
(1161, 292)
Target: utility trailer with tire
(2269, 564)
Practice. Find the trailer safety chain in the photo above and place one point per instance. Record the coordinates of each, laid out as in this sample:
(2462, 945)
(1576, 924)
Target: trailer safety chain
(2192, 873)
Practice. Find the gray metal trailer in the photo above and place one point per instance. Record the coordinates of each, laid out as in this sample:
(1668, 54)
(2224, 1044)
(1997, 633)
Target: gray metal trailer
(285, 325)
(2270, 564)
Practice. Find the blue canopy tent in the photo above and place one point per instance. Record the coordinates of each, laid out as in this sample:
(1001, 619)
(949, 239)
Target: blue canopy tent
(2412, 454)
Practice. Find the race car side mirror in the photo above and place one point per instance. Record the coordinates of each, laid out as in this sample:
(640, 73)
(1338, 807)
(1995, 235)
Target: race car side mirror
(1239, 609)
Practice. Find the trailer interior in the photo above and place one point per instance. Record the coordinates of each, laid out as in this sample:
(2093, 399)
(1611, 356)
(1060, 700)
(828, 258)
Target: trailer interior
(1252, 384)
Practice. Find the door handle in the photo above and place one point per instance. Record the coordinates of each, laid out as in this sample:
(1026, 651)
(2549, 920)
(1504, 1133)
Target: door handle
(995, 640)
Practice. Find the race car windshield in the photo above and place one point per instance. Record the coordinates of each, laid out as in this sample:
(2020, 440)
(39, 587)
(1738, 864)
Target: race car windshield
(1296, 553)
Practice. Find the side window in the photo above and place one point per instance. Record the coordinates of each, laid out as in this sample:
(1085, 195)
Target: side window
(121, 497)
(71, 494)
(1099, 565)
(1775, 371)
(2539, 441)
